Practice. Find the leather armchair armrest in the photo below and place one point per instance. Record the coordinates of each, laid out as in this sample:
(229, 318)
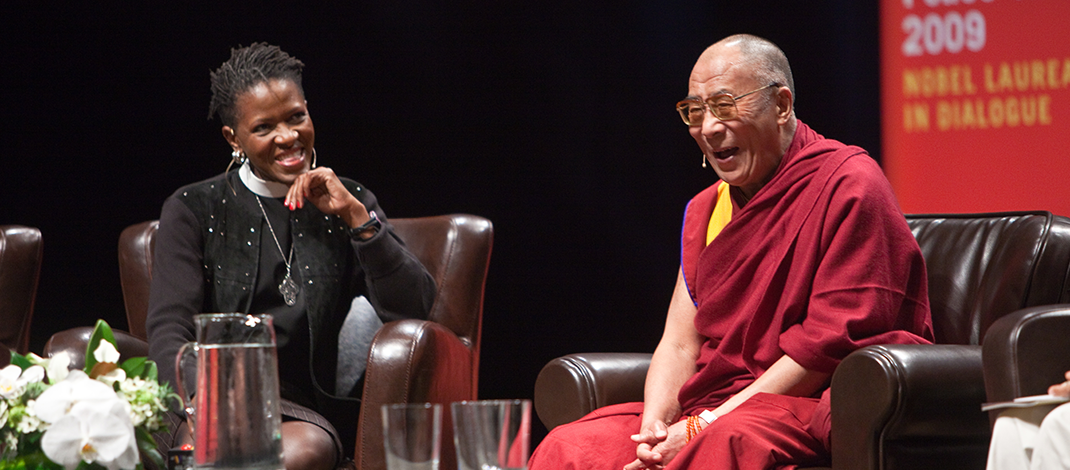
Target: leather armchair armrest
(412, 361)
(571, 386)
(909, 406)
(1026, 351)
(75, 340)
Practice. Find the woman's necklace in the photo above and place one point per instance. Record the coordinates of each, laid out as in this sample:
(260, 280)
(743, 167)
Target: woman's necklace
(288, 288)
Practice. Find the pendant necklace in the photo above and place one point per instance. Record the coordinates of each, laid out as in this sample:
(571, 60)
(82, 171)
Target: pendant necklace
(288, 288)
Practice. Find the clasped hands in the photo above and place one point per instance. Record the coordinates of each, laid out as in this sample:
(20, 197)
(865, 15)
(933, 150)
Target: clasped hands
(323, 189)
(657, 445)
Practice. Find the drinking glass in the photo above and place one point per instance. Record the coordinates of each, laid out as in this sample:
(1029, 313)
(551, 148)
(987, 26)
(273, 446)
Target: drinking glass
(411, 435)
(492, 434)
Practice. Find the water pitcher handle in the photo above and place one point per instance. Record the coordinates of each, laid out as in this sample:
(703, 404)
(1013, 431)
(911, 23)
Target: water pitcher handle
(186, 369)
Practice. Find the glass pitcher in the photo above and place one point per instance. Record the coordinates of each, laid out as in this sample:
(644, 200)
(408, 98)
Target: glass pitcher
(234, 400)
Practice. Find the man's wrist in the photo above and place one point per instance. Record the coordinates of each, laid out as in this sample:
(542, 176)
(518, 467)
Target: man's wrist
(707, 416)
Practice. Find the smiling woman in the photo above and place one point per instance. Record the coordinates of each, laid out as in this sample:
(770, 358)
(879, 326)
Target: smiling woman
(281, 236)
(274, 130)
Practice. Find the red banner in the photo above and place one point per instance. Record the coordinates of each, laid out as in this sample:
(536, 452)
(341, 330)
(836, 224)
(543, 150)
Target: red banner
(976, 104)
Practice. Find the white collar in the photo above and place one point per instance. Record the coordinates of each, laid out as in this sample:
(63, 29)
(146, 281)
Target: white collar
(259, 186)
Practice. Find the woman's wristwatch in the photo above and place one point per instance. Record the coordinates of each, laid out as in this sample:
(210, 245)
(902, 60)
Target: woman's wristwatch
(372, 226)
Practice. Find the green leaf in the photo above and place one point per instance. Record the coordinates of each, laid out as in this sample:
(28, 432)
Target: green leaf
(35, 461)
(29, 444)
(150, 371)
(146, 445)
(20, 360)
(141, 367)
(134, 367)
(100, 332)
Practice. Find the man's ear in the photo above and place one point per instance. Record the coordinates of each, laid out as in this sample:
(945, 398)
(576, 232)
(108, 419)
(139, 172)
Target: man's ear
(231, 138)
(785, 102)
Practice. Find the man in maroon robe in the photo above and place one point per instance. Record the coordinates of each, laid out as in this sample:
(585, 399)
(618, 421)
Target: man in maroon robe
(797, 257)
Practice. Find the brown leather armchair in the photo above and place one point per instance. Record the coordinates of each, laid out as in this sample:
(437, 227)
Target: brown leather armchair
(21, 249)
(894, 406)
(410, 360)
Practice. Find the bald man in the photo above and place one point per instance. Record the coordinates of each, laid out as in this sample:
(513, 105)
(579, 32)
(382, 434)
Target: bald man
(796, 257)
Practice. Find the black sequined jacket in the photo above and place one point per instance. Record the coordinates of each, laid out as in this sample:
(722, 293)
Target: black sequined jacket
(207, 257)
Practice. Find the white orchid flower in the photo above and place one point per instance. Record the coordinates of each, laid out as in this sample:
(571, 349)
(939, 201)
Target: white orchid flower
(32, 374)
(9, 379)
(13, 379)
(98, 433)
(61, 397)
(106, 352)
(116, 375)
(58, 366)
(55, 366)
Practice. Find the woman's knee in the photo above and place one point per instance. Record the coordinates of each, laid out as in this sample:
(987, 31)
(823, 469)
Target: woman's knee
(306, 446)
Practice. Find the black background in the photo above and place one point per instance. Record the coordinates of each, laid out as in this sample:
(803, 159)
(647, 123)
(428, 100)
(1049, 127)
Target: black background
(552, 118)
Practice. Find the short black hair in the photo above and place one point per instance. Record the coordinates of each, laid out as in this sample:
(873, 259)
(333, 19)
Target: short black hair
(247, 67)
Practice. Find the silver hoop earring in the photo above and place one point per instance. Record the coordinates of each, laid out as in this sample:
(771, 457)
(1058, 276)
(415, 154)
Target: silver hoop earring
(313, 157)
(238, 157)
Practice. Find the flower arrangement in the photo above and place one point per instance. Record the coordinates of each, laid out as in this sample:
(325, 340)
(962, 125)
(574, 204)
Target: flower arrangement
(100, 417)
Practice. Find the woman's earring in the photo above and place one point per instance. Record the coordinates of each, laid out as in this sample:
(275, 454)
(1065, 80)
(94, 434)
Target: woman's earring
(703, 159)
(313, 157)
(238, 157)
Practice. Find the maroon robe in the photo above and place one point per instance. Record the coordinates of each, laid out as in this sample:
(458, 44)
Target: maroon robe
(818, 264)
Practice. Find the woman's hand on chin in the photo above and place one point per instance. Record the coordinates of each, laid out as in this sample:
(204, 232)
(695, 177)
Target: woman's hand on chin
(322, 188)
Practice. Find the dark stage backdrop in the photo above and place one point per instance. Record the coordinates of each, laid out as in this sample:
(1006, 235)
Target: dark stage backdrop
(552, 118)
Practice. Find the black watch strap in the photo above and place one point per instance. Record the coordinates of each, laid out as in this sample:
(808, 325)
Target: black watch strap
(373, 225)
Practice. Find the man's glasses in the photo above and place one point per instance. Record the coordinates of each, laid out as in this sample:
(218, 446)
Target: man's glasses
(723, 107)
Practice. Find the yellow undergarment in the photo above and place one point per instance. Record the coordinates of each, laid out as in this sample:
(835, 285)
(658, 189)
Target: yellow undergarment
(722, 213)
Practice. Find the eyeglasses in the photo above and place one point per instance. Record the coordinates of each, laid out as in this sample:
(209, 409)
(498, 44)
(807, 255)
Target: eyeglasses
(723, 107)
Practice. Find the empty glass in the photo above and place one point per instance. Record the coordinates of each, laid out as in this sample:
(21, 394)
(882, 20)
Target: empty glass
(411, 435)
(492, 434)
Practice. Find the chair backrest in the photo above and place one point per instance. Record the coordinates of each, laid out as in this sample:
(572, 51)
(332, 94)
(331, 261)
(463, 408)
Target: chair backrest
(136, 247)
(455, 249)
(413, 361)
(20, 269)
(984, 266)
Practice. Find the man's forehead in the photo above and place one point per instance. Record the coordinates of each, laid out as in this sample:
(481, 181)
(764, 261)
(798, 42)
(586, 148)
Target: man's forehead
(719, 73)
(719, 60)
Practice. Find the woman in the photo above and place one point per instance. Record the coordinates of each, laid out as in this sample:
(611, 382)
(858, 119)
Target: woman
(279, 235)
